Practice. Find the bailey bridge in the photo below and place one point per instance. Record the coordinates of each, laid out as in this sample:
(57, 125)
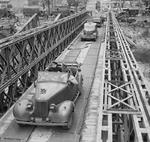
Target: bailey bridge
(114, 104)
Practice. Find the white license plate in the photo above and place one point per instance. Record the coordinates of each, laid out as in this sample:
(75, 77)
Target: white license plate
(38, 119)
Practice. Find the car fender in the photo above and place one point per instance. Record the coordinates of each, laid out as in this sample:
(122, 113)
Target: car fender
(20, 110)
(64, 111)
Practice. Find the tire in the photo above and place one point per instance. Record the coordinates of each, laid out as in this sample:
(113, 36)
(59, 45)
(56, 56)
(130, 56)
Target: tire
(80, 81)
(94, 39)
(69, 124)
(21, 125)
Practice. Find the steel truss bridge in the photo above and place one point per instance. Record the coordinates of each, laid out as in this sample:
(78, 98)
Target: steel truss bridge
(114, 106)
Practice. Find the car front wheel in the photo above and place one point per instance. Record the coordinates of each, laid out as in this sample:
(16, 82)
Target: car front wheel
(69, 124)
(21, 125)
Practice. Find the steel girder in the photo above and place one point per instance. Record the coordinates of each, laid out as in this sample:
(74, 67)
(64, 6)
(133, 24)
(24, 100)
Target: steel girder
(22, 55)
(125, 115)
(141, 123)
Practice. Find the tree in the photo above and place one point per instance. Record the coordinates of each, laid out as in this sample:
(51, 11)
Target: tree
(46, 4)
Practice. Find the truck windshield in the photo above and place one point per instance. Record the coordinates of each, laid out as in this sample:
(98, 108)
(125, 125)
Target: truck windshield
(89, 26)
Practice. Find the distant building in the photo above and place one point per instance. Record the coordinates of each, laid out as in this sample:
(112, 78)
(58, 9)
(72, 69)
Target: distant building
(33, 2)
(18, 3)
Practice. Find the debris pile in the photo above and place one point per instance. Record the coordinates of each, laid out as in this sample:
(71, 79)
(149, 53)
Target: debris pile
(139, 33)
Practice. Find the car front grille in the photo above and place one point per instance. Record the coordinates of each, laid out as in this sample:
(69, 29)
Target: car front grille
(41, 109)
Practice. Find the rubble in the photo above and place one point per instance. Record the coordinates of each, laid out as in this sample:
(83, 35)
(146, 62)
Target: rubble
(139, 33)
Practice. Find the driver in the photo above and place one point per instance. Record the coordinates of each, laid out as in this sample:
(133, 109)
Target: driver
(73, 80)
(54, 67)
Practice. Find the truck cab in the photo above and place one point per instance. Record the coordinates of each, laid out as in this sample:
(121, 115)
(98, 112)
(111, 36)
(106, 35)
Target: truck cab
(89, 32)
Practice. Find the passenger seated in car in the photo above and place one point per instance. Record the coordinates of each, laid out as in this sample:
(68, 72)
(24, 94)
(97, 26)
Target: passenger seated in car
(66, 68)
(72, 79)
(54, 67)
(73, 70)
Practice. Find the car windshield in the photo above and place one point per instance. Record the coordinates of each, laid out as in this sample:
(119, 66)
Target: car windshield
(53, 76)
(96, 20)
(90, 26)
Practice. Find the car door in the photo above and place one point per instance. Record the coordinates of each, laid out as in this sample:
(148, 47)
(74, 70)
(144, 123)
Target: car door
(72, 86)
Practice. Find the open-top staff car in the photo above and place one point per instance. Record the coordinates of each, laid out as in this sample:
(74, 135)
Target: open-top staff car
(53, 101)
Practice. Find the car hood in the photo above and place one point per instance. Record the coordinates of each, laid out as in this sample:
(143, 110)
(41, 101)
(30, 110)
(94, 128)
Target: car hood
(45, 90)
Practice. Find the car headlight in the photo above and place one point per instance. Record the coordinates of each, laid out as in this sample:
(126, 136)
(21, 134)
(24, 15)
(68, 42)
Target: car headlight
(29, 106)
(53, 108)
(84, 32)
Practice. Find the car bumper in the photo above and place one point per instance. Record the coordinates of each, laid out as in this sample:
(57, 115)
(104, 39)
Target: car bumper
(42, 123)
(98, 25)
(88, 37)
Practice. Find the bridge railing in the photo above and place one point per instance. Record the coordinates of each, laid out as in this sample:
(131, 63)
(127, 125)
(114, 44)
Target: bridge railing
(22, 55)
